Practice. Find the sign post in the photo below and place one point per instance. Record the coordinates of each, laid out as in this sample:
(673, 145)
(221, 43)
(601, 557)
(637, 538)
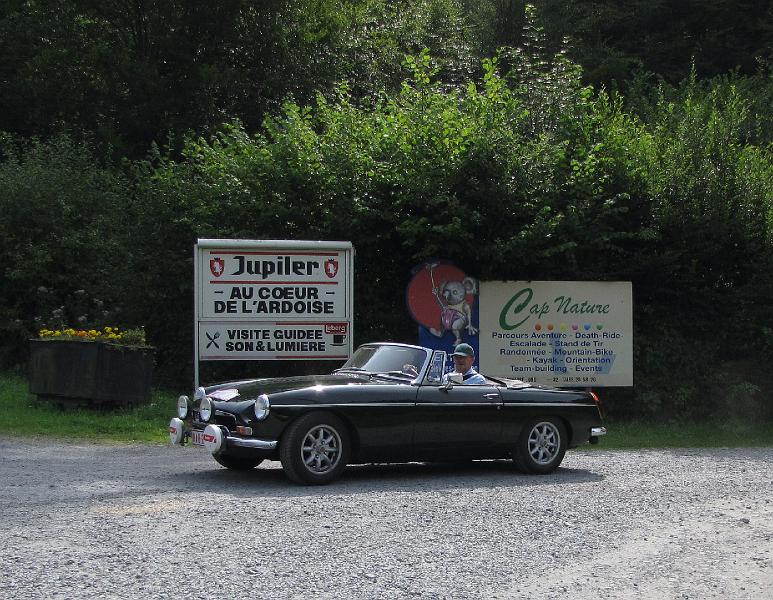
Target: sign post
(272, 300)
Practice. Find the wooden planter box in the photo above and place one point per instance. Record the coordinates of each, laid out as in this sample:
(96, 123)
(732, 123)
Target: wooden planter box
(92, 374)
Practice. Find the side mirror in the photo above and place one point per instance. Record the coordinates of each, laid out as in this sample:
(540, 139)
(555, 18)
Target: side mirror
(452, 379)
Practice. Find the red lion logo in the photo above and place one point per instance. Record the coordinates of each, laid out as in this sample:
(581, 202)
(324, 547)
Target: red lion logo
(331, 267)
(217, 266)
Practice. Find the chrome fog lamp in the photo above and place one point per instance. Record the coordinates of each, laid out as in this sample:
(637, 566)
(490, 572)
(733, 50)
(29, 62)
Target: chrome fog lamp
(205, 409)
(182, 407)
(262, 406)
(176, 431)
(214, 440)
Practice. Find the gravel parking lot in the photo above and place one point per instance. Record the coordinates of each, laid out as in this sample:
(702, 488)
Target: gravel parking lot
(88, 521)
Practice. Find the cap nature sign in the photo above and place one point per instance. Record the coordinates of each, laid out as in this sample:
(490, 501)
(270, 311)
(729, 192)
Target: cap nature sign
(273, 299)
(559, 333)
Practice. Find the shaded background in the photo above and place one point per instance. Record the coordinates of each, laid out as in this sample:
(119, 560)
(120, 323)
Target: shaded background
(637, 149)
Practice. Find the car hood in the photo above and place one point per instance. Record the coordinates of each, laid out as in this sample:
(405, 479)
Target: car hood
(236, 391)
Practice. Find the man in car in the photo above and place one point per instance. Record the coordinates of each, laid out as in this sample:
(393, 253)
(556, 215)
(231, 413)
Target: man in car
(464, 356)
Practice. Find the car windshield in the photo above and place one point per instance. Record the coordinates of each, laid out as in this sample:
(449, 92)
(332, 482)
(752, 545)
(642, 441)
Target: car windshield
(386, 359)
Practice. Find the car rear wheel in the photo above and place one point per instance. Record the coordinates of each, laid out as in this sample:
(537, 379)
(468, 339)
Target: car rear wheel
(237, 463)
(315, 449)
(541, 446)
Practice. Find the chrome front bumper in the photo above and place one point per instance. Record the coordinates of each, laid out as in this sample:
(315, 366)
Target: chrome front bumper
(251, 443)
(217, 438)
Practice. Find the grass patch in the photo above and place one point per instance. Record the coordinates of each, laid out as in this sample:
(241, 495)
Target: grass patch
(724, 434)
(22, 414)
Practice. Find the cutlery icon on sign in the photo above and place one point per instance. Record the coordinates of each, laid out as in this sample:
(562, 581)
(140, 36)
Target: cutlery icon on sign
(212, 339)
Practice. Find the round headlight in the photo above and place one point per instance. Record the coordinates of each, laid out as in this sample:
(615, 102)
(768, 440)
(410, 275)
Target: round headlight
(205, 409)
(182, 407)
(262, 406)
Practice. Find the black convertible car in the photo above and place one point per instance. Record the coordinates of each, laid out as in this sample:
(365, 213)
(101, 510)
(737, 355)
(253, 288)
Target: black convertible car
(388, 403)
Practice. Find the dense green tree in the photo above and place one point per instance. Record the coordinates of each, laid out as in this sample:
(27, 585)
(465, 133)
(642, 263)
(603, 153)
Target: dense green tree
(612, 39)
(518, 172)
(497, 23)
(62, 218)
(135, 72)
(524, 175)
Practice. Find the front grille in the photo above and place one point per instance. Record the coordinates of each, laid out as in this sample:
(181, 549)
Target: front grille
(226, 419)
(220, 418)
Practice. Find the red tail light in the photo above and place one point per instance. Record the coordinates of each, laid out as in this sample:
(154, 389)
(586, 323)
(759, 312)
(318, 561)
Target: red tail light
(597, 400)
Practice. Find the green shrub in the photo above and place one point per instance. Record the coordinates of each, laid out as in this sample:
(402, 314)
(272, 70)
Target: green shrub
(62, 251)
(523, 173)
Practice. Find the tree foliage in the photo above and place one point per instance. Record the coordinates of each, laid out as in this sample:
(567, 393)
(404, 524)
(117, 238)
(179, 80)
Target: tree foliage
(372, 121)
(61, 218)
(132, 73)
(136, 72)
(524, 174)
(614, 39)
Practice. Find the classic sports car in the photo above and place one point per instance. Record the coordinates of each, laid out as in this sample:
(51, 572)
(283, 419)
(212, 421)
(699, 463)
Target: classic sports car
(388, 403)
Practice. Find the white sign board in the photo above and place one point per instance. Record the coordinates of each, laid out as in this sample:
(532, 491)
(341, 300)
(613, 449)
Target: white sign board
(273, 299)
(559, 333)
(225, 340)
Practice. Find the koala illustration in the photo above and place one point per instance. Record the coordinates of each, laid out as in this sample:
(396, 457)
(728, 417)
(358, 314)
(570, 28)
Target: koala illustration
(455, 313)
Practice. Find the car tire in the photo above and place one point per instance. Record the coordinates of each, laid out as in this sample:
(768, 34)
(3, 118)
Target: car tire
(237, 463)
(314, 449)
(541, 446)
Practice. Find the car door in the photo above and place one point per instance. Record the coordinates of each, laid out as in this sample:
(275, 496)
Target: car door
(457, 420)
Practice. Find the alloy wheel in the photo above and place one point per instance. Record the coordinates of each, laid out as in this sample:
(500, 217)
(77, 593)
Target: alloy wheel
(544, 443)
(321, 449)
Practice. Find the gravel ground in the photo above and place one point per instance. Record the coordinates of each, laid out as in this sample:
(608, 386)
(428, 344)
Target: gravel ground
(95, 521)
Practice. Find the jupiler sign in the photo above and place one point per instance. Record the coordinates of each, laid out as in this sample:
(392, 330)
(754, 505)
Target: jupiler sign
(273, 299)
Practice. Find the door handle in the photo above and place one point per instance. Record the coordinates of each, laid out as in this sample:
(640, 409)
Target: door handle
(490, 396)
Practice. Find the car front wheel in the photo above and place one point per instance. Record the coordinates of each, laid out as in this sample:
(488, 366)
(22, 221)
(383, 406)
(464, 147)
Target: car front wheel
(541, 446)
(315, 449)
